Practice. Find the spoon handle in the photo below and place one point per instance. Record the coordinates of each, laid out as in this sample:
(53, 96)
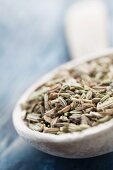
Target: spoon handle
(86, 27)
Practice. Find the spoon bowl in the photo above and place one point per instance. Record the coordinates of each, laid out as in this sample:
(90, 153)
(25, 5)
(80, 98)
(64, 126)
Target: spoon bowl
(91, 142)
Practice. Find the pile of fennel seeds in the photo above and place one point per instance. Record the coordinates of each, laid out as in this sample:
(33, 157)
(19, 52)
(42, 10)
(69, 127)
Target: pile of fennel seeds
(72, 101)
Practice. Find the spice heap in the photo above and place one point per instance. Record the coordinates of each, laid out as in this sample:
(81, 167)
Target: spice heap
(73, 100)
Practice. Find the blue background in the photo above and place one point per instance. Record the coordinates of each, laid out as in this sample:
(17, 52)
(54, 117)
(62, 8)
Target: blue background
(32, 42)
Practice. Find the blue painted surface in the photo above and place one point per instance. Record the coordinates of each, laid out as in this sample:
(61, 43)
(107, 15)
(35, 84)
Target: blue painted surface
(32, 43)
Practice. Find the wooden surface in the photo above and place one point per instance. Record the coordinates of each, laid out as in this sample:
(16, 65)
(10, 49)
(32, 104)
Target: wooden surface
(32, 42)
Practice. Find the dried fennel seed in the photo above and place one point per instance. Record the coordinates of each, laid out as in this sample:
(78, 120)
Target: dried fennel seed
(73, 100)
